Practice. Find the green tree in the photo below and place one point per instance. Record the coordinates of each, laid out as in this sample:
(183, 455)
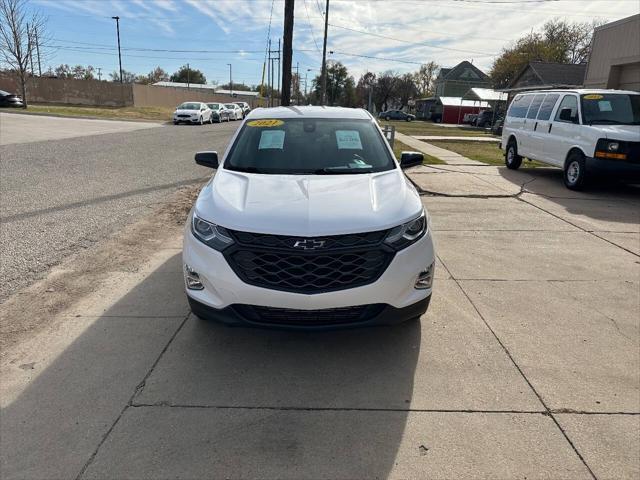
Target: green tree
(558, 41)
(237, 87)
(188, 75)
(341, 88)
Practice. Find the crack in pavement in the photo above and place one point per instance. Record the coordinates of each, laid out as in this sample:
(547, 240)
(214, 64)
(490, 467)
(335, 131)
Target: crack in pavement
(129, 403)
(548, 410)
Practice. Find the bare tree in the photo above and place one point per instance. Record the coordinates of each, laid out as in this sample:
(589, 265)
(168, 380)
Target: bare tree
(18, 33)
(425, 77)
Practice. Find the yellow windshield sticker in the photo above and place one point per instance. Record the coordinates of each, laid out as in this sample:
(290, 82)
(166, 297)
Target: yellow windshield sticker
(593, 97)
(265, 123)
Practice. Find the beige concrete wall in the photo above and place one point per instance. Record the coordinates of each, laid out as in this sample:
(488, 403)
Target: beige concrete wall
(615, 46)
(67, 91)
(156, 96)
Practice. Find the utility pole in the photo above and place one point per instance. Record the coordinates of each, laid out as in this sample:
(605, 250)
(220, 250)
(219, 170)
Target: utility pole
(305, 81)
(323, 93)
(279, 72)
(269, 90)
(230, 80)
(38, 52)
(287, 53)
(297, 83)
(117, 19)
(272, 64)
(188, 76)
(99, 73)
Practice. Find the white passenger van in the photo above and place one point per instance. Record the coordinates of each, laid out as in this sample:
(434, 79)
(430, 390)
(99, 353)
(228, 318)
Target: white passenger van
(587, 133)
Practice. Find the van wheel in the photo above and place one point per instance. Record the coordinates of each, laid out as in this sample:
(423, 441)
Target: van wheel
(511, 157)
(575, 172)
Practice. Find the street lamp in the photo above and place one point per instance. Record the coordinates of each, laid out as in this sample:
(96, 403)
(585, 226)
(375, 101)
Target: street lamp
(117, 19)
(230, 80)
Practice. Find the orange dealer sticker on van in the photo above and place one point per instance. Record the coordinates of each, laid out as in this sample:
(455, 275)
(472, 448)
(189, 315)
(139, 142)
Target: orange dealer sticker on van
(593, 97)
(265, 123)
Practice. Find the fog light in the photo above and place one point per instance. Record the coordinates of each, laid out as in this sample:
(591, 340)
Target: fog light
(425, 278)
(192, 278)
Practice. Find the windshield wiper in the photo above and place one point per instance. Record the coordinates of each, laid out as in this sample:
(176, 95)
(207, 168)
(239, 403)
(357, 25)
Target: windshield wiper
(340, 171)
(607, 121)
(246, 169)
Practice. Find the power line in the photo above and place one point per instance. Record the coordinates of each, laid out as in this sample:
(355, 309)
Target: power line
(410, 42)
(375, 58)
(310, 26)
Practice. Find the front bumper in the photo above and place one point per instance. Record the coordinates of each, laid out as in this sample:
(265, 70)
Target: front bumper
(237, 315)
(623, 169)
(395, 288)
(186, 119)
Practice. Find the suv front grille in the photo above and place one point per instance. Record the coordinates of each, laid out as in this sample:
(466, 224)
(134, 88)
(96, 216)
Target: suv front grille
(323, 317)
(309, 265)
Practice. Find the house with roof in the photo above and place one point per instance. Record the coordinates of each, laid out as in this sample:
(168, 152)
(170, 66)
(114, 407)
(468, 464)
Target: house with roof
(545, 76)
(456, 81)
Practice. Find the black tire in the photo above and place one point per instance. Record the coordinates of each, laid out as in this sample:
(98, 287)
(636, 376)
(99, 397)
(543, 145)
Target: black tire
(409, 119)
(511, 158)
(211, 119)
(387, 118)
(200, 122)
(575, 171)
(175, 123)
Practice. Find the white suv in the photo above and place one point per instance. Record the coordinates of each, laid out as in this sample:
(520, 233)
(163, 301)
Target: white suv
(587, 133)
(308, 222)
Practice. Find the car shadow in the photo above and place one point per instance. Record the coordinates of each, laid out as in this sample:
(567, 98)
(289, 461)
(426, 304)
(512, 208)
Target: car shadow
(605, 199)
(156, 386)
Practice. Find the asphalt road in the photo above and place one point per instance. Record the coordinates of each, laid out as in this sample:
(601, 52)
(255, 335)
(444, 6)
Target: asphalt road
(60, 196)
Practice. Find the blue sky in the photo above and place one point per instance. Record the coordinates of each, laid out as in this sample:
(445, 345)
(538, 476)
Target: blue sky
(209, 34)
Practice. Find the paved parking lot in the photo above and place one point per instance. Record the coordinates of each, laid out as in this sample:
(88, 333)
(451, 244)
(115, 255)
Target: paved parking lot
(526, 365)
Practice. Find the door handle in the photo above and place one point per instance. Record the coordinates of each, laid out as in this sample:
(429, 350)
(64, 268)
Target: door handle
(535, 126)
(550, 125)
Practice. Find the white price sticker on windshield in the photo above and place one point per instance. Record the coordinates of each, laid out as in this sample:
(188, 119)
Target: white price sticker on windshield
(271, 139)
(348, 140)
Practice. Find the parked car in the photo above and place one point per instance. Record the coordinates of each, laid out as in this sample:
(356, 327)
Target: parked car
(245, 108)
(219, 112)
(587, 133)
(269, 241)
(469, 118)
(396, 115)
(484, 119)
(235, 112)
(192, 112)
(10, 100)
(496, 128)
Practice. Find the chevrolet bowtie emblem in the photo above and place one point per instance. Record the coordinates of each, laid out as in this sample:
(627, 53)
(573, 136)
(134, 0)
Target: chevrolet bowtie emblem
(309, 244)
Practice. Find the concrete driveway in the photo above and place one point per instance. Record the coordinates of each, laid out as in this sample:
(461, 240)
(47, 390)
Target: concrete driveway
(526, 365)
(17, 128)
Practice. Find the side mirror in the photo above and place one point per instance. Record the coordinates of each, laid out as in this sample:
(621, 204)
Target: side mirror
(410, 159)
(207, 159)
(565, 116)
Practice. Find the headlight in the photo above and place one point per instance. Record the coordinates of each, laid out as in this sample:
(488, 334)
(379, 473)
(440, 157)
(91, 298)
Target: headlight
(404, 235)
(213, 235)
(613, 146)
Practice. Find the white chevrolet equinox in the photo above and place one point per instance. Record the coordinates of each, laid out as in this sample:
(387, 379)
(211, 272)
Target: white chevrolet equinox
(308, 222)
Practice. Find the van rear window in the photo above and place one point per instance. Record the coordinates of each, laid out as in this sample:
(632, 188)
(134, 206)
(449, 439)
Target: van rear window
(519, 106)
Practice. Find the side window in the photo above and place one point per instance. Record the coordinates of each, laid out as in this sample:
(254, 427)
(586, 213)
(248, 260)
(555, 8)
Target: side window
(519, 106)
(568, 102)
(547, 106)
(535, 105)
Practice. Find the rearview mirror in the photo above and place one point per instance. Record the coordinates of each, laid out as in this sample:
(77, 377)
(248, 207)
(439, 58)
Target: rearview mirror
(410, 159)
(565, 116)
(207, 159)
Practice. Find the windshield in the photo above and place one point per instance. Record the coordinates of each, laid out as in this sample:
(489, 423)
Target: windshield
(213, 106)
(309, 146)
(230, 105)
(2, 92)
(611, 109)
(189, 106)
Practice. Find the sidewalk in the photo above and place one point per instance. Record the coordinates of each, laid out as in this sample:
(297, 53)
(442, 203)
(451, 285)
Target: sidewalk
(465, 139)
(446, 156)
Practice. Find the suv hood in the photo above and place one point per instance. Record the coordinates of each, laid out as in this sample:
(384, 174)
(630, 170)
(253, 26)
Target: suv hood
(184, 111)
(308, 205)
(630, 133)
